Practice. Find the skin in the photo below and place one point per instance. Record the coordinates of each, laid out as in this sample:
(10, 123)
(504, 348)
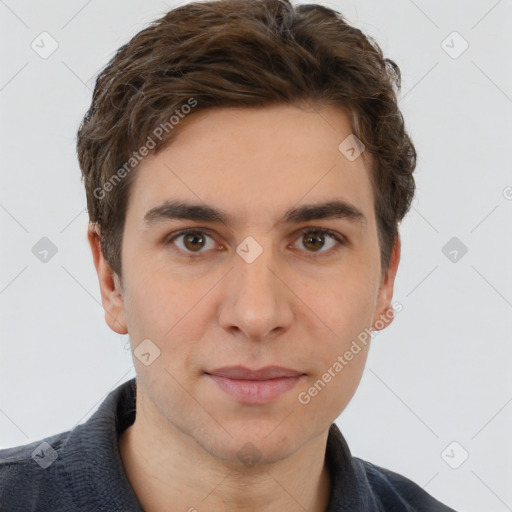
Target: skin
(284, 308)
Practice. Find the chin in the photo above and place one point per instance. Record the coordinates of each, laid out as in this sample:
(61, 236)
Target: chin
(249, 447)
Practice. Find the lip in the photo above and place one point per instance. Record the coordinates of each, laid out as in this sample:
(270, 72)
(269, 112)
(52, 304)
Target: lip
(265, 373)
(255, 386)
(255, 391)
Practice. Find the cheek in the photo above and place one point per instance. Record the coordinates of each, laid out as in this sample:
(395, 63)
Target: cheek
(341, 310)
(343, 302)
(347, 376)
(157, 297)
(338, 368)
(326, 395)
(168, 311)
(347, 341)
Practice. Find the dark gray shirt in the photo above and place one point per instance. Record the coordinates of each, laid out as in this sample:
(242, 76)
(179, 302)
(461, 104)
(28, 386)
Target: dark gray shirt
(82, 470)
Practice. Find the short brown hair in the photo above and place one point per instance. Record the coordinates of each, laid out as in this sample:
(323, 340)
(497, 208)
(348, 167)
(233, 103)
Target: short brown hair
(239, 53)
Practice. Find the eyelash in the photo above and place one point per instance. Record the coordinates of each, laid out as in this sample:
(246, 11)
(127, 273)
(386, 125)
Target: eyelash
(317, 231)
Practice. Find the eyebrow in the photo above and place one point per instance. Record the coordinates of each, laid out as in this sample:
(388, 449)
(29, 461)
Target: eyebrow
(335, 209)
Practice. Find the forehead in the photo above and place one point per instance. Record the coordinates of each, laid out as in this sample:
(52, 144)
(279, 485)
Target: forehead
(255, 163)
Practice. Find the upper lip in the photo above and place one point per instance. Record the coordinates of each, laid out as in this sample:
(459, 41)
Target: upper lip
(242, 373)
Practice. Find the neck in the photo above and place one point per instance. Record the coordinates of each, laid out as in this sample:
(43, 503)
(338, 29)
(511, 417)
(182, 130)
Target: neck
(169, 470)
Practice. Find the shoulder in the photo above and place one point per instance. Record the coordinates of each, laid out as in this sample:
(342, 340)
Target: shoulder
(31, 474)
(80, 469)
(394, 491)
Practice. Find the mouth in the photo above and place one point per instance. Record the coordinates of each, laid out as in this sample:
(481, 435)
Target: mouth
(255, 386)
(265, 373)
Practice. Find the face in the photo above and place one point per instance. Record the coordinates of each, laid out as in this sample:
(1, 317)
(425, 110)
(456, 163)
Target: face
(255, 288)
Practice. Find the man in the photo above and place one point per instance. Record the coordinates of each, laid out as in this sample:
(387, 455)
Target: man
(246, 167)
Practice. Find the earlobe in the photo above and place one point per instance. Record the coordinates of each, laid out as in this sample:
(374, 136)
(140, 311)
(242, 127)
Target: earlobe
(110, 286)
(384, 312)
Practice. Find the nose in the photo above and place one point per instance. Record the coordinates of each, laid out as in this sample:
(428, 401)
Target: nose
(257, 301)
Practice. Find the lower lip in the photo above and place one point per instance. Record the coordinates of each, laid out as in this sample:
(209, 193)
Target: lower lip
(255, 391)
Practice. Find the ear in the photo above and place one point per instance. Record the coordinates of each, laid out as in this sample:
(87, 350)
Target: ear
(110, 285)
(384, 312)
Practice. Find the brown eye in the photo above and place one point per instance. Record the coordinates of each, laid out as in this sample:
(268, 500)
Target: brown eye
(192, 241)
(314, 240)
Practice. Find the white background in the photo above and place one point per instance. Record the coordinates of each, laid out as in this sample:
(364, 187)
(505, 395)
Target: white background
(440, 373)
